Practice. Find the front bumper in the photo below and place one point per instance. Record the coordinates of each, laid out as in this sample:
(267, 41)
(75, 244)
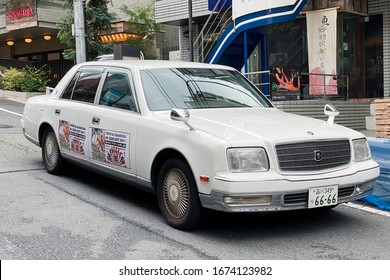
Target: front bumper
(288, 193)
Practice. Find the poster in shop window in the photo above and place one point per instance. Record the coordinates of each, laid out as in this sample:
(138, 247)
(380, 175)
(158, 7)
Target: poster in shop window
(285, 83)
(322, 51)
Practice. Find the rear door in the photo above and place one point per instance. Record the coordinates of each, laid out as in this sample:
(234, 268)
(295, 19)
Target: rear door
(73, 112)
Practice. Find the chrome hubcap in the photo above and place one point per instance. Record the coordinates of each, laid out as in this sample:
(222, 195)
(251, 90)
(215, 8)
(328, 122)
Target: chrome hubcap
(173, 193)
(176, 193)
(50, 150)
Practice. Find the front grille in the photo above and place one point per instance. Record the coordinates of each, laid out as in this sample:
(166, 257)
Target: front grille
(296, 198)
(344, 192)
(302, 198)
(302, 156)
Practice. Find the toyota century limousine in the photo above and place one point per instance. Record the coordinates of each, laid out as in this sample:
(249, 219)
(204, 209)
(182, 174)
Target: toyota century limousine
(198, 136)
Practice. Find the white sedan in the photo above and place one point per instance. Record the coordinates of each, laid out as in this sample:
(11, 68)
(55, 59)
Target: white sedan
(199, 136)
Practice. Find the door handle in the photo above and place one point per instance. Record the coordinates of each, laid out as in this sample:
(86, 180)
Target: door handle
(57, 112)
(95, 120)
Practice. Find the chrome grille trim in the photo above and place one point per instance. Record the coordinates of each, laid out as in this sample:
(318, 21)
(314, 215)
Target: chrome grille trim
(300, 156)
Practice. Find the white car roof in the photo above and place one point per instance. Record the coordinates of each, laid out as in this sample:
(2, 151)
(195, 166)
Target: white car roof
(148, 64)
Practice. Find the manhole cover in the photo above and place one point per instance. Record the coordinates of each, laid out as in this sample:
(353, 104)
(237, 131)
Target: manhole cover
(5, 126)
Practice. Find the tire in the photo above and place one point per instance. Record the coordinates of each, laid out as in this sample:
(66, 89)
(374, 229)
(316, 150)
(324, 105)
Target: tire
(51, 156)
(178, 196)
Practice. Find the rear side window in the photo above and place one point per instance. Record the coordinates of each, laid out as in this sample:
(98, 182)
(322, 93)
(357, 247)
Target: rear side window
(83, 86)
(69, 89)
(86, 86)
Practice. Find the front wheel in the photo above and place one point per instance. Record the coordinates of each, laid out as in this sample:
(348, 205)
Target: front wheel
(178, 196)
(51, 155)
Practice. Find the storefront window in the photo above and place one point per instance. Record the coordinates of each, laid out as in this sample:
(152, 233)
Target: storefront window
(288, 58)
(351, 53)
(374, 56)
(287, 45)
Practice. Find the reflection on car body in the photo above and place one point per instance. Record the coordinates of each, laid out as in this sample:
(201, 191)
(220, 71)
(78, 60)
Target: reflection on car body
(199, 136)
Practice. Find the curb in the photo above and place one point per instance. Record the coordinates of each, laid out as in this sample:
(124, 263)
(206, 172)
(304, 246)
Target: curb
(368, 208)
(18, 96)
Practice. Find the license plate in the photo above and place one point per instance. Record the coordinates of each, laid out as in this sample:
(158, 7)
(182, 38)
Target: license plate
(323, 196)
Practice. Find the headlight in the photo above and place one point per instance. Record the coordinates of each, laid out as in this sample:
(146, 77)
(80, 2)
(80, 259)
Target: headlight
(247, 160)
(361, 150)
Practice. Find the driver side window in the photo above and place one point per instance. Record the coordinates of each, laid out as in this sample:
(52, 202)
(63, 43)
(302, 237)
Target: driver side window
(118, 92)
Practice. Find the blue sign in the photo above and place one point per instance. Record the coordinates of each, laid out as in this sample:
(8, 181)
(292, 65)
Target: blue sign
(222, 5)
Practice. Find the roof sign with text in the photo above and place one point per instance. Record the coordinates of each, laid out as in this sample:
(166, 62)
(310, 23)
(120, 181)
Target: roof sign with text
(25, 11)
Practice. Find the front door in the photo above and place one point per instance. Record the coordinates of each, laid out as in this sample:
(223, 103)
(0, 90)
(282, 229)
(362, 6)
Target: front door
(114, 122)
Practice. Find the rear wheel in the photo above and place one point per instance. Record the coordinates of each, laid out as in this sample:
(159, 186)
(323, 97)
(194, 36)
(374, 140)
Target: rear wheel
(177, 195)
(51, 156)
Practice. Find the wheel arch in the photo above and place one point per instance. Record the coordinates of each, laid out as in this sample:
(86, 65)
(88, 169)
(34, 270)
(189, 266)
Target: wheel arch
(43, 127)
(159, 160)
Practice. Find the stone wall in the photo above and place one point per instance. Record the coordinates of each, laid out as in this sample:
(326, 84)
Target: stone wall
(382, 112)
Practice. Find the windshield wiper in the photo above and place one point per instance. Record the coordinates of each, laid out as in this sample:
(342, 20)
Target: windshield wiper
(211, 96)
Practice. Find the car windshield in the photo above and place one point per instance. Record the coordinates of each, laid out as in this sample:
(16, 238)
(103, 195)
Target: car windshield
(198, 88)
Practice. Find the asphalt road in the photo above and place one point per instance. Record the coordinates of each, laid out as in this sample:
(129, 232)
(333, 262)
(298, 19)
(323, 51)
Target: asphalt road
(82, 215)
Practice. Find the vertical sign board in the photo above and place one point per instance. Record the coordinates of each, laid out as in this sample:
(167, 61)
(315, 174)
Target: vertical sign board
(322, 49)
(244, 7)
(21, 14)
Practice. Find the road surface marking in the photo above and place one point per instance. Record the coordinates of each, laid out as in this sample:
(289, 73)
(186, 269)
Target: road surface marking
(368, 208)
(17, 114)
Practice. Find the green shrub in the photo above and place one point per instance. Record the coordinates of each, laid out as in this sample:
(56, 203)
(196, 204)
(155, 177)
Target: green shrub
(28, 79)
(2, 70)
(11, 79)
(33, 79)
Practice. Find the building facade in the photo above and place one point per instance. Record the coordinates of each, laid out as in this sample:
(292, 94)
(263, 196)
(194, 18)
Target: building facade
(175, 13)
(378, 42)
(28, 33)
(363, 44)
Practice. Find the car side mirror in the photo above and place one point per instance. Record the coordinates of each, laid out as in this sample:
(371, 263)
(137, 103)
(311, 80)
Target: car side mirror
(181, 115)
(331, 111)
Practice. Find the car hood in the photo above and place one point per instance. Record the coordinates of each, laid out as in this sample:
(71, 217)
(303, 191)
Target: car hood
(246, 126)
